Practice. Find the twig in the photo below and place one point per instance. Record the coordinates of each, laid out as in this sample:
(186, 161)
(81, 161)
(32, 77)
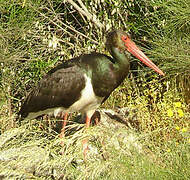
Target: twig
(85, 12)
(82, 5)
(72, 29)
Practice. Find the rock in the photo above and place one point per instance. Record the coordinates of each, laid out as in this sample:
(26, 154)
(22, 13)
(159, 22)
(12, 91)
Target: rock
(27, 153)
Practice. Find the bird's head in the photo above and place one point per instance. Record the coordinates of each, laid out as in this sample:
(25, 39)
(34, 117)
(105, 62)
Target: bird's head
(124, 44)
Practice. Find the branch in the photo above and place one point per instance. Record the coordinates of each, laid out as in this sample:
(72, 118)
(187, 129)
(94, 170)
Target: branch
(71, 28)
(85, 12)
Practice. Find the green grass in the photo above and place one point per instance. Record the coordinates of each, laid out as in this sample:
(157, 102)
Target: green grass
(28, 30)
(128, 155)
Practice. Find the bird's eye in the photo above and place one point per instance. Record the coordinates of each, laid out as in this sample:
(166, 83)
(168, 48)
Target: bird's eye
(124, 38)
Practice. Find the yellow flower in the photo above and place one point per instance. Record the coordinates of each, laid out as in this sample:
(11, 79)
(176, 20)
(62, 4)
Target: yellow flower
(189, 140)
(177, 104)
(177, 128)
(23, 4)
(170, 112)
(180, 112)
(184, 130)
(168, 150)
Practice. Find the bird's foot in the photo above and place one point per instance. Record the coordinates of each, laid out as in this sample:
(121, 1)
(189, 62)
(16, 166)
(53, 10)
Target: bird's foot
(85, 147)
(61, 136)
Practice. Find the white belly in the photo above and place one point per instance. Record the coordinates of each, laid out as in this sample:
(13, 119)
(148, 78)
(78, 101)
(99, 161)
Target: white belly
(88, 99)
(87, 103)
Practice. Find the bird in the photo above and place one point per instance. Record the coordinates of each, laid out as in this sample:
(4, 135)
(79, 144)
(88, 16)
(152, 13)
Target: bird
(85, 82)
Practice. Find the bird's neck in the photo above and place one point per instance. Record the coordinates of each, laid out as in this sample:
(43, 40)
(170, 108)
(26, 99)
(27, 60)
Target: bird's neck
(121, 65)
(121, 59)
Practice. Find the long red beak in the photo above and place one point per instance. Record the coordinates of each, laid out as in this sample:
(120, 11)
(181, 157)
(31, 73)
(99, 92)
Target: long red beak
(133, 49)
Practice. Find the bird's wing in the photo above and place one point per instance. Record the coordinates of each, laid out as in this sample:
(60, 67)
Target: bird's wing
(61, 87)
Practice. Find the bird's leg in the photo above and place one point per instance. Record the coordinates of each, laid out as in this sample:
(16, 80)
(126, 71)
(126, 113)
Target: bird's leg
(87, 122)
(96, 121)
(64, 122)
(96, 117)
(85, 141)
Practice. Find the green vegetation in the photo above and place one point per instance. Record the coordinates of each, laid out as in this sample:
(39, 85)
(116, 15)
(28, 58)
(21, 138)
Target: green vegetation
(37, 35)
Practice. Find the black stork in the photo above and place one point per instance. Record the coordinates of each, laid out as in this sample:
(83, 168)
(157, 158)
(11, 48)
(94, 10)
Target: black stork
(85, 82)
